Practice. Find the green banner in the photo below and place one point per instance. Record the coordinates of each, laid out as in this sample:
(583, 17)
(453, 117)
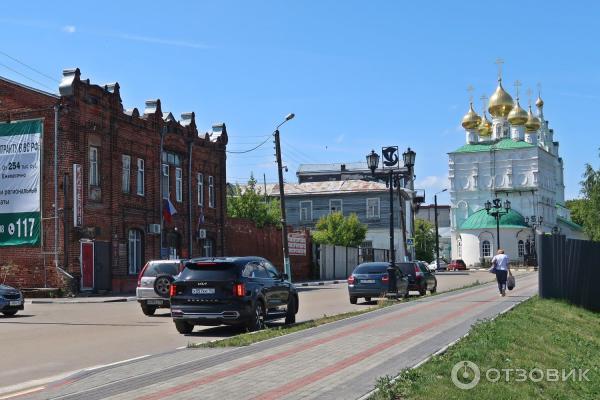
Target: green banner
(20, 155)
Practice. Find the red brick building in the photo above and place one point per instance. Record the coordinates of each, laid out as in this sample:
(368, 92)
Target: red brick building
(114, 226)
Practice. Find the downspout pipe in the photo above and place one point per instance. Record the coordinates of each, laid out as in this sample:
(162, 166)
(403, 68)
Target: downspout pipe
(190, 233)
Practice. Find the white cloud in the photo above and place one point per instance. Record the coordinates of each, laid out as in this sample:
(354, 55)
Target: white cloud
(69, 28)
(154, 40)
(432, 182)
(340, 139)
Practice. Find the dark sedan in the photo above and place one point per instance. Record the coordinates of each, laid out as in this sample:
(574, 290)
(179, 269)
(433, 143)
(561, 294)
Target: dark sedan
(370, 280)
(420, 278)
(11, 300)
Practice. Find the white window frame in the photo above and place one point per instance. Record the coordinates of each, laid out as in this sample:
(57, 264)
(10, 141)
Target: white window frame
(211, 191)
(200, 179)
(134, 259)
(483, 248)
(309, 210)
(178, 185)
(94, 176)
(341, 208)
(520, 248)
(164, 181)
(373, 215)
(126, 173)
(141, 178)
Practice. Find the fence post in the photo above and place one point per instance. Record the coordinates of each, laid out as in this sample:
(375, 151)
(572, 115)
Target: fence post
(346, 261)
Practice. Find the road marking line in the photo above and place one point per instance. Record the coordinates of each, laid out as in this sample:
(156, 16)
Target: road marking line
(115, 363)
(23, 392)
(267, 359)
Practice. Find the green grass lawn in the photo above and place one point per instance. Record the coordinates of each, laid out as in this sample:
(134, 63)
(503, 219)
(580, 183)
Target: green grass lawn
(544, 334)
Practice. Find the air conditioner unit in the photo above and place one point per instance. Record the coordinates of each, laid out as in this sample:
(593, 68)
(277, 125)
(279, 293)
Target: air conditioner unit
(154, 228)
(201, 233)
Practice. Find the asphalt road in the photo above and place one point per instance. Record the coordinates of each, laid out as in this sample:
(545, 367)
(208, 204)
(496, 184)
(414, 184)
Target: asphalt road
(49, 340)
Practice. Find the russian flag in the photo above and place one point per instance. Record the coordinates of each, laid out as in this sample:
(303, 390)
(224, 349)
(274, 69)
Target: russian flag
(168, 210)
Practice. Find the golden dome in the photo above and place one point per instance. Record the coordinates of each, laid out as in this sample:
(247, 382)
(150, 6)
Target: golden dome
(517, 116)
(539, 102)
(485, 127)
(500, 102)
(471, 119)
(533, 123)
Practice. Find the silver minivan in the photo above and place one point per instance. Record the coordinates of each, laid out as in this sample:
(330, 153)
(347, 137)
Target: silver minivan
(152, 290)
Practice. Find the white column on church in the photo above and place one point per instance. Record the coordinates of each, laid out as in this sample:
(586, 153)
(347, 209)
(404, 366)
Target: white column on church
(517, 132)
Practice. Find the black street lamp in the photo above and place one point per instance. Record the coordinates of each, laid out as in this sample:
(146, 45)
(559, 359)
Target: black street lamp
(392, 178)
(533, 222)
(495, 210)
(437, 236)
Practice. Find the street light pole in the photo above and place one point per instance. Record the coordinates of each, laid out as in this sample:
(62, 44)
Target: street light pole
(286, 253)
(497, 213)
(392, 268)
(437, 236)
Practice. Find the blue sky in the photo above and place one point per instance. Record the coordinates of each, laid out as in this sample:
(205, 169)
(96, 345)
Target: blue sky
(358, 75)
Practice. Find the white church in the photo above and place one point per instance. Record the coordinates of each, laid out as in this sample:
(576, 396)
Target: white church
(514, 157)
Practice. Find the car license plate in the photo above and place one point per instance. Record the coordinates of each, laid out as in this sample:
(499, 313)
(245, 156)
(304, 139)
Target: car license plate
(15, 303)
(155, 302)
(203, 290)
(367, 281)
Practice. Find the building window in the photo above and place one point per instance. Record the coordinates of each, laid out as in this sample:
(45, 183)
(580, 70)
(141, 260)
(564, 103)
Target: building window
(165, 181)
(305, 211)
(140, 177)
(178, 185)
(126, 179)
(335, 206)
(486, 249)
(459, 248)
(94, 177)
(208, 248)
(521, 248)
(135, 251)
(200, 190)
(171, 158)
(373, 208)
(211, 192)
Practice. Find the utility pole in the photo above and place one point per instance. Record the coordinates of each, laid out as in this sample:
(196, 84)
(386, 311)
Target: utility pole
(437, 236)
(265, 184)
(284, 238)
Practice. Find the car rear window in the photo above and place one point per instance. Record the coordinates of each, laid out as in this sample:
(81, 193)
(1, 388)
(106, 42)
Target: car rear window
(423, 268)
(210, 271)
(407, 268)
(155, 269)
(371, 269)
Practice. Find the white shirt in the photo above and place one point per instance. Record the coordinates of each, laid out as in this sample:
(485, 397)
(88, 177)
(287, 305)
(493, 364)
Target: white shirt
(501, 262)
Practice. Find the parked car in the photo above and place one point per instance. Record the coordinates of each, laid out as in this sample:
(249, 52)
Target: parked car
(238, 291)
(371, 279)
(434, 267)
(11, 300)
(152, 290)
(419, 277)
(456, 265)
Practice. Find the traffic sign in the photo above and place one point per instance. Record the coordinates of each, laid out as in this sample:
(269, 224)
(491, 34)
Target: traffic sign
(410, 241)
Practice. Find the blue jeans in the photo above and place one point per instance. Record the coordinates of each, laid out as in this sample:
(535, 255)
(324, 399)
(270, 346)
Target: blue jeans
(501, 276)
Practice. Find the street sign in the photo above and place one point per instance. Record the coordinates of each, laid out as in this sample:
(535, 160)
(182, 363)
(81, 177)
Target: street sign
(410, 241)
(391, 157)
(297, 243)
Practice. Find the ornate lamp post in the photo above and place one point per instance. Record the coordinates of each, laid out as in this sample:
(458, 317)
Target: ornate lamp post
(533, 222)
(392, 178)
(495, 209)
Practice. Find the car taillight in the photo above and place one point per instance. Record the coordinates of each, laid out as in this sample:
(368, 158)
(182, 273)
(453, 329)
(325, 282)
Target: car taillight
(172, 290)
(239, 290)
(142, 274)
(418, 272)
(351, 280)
(385, 278)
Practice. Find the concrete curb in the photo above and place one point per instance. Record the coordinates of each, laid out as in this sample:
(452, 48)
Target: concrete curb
(86, 300)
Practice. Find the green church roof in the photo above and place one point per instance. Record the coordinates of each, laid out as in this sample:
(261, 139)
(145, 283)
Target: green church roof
(570, 224)
(482, 220)
(504, 144)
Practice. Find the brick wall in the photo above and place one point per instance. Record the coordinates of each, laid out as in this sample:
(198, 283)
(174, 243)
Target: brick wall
(244, 238)
(93, 115)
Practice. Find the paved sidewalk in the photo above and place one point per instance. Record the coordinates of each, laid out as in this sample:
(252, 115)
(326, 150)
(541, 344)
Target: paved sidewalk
(340, 360)
(82, 300)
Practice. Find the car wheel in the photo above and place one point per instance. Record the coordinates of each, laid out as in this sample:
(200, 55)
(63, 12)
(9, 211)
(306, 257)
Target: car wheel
(162, 283)
(184, 327)
(368, 299)
(257, 320)
(148, 310)
(423, 291)
(353, 299)
(434, 289)
(290, 316)
(9, 313)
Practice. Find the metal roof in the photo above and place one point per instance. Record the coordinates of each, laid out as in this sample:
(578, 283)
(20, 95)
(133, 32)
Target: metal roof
(482, 220)
(53, 95)
(333, 167)
(504, 144)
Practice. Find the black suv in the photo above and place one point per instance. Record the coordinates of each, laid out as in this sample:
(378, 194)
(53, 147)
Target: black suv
(240, 291)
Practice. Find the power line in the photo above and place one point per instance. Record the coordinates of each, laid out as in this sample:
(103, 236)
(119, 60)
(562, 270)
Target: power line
(25, 76)
(30, 67)
(249, 150)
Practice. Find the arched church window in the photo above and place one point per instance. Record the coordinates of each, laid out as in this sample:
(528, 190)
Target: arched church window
(486, 249)
(459, 248)
(521, 248)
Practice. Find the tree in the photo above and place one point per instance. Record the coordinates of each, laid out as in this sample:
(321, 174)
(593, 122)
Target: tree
(339, 230)
(585, 211)
(424, 240)
(248, 203)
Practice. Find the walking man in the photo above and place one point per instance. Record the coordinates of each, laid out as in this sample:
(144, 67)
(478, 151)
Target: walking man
(500, 261)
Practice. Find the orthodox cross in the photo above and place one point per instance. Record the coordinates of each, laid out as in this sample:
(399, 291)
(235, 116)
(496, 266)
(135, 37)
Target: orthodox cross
(470, 89)
(499, 62)
(517, 85)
